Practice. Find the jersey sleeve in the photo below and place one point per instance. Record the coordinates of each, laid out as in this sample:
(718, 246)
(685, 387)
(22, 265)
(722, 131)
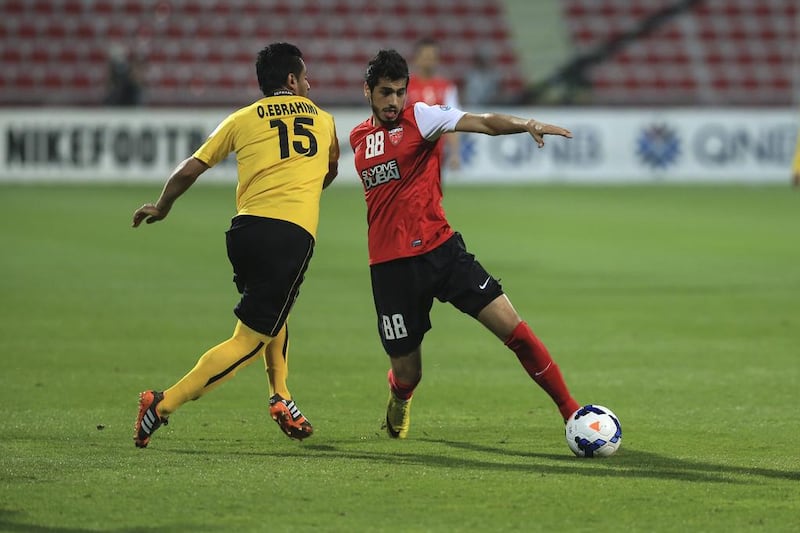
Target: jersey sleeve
(435, 120)
(219, 144)
(353, 139)
(334, 151)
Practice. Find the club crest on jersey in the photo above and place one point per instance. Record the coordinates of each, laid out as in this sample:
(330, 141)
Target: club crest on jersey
(396, 135)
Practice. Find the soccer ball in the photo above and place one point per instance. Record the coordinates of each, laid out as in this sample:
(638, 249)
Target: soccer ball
(593, 431)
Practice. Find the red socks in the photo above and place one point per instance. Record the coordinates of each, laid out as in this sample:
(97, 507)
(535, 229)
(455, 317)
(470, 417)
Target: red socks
(401, 390)
(534, 358)
(540, 366)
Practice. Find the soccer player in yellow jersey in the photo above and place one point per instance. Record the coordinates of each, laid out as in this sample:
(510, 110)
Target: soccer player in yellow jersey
(286, 152)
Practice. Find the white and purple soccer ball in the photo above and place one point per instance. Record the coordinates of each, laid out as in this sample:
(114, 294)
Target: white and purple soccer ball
(593, 431)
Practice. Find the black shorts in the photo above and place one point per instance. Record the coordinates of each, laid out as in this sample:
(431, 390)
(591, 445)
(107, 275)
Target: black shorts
(269, 258)
(404, 290)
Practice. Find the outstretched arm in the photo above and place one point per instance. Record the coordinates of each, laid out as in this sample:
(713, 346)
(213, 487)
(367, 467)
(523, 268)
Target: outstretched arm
(500, 124)
(184, 175)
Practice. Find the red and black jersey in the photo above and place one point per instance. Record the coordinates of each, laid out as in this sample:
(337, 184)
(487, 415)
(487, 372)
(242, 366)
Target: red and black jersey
(399, 169)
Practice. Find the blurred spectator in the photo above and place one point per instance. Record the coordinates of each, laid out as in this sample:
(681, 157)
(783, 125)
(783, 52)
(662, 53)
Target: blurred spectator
(481, 82)
(124, 78)
(796, 164)
(424, 85)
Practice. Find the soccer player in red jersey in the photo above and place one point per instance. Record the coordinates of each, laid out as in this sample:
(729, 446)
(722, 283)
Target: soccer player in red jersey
(425, 85)
(414, 254)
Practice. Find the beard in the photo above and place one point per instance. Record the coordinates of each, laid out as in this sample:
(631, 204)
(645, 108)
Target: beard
(380, 115)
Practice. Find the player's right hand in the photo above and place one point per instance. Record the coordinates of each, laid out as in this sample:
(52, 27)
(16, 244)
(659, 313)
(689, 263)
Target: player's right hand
(148, 212)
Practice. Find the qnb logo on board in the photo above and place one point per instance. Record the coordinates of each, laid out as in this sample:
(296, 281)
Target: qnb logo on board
(467, 149)
(658, 146)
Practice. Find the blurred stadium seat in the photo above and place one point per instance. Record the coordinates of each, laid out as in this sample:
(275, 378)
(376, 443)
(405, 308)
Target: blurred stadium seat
(201, 52)
(720, 52)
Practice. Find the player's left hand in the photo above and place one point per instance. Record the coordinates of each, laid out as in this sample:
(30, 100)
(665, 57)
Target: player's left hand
(539, 129)
(148, 212)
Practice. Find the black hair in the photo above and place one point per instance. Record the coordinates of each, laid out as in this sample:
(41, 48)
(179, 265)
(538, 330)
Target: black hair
(274, 63)
(386, 64)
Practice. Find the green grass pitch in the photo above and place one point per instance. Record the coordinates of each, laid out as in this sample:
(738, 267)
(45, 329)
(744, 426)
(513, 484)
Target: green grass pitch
(678, 307)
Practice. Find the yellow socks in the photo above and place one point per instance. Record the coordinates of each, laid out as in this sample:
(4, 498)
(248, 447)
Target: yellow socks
(216, 366)
(276, 362)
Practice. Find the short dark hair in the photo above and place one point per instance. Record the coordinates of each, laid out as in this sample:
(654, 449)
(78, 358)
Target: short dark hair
(425, 41)
(386, 64)
(274, 63)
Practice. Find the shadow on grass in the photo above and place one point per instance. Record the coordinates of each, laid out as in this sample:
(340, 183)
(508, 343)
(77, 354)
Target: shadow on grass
(13, 521)
(636, 463)
(454, 454)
